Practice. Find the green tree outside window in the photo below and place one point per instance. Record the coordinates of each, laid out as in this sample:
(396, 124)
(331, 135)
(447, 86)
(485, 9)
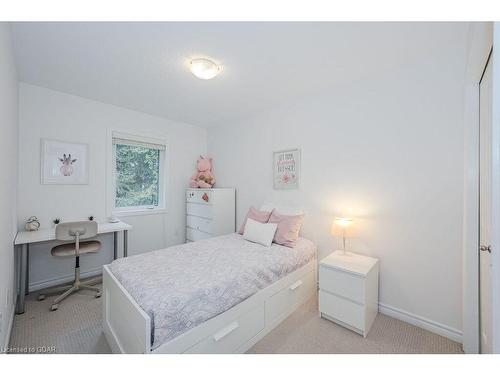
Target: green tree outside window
(137, 176)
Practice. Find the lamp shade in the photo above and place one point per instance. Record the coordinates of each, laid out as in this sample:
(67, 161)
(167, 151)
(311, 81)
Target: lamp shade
(340, 225)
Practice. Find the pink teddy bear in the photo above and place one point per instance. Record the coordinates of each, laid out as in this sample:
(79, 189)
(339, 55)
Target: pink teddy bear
(203, 178)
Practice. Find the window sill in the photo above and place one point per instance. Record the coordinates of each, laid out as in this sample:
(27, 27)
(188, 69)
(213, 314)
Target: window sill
(139, 212)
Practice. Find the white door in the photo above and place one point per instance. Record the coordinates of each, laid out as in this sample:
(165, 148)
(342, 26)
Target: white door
(485, 111)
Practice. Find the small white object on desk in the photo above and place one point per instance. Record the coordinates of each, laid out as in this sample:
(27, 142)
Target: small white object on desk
(349, 290)
(113, 219)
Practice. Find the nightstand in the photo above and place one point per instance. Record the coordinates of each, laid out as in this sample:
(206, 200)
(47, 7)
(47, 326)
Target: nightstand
(348, 292)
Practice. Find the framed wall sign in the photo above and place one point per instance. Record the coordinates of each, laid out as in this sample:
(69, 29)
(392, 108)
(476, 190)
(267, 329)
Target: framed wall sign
(64, 163)
(286, 169)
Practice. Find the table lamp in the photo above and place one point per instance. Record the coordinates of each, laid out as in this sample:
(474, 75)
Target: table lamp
(339, 227)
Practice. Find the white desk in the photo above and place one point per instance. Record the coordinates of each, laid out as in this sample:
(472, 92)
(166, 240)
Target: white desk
(25, 238)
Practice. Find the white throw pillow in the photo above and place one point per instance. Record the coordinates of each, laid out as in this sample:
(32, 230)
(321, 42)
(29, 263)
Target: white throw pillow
(260, 233)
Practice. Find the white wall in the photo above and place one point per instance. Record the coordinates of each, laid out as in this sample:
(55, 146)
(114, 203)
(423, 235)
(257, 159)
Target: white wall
(50, 114)
(387, 151)
(8, 180)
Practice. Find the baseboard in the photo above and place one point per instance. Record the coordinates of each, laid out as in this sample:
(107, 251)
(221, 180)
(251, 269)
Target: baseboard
(9, 329)
(64, 279)
(418, 321)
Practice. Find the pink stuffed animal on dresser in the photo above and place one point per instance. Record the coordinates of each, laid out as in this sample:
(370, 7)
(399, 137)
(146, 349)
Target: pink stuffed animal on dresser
(203, 178)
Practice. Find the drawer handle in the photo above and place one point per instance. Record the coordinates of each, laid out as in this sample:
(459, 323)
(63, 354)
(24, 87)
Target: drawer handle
(296, 284)
(226, 331)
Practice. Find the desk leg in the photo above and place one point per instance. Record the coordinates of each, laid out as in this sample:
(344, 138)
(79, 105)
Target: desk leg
(115, 245)
(23, 262)
(27, 286)
(125, 243)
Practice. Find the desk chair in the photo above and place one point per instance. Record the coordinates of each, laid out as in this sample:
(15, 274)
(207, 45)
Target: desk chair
(74, 231)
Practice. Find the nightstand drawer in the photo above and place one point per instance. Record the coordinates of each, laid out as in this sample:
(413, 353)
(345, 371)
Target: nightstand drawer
(342, 284)
(342, 310)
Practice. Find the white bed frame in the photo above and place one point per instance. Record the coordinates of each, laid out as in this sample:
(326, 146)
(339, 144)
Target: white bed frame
(128, 328)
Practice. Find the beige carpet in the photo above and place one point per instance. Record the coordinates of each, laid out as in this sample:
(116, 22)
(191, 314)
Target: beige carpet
(305, 332)
(76, 328)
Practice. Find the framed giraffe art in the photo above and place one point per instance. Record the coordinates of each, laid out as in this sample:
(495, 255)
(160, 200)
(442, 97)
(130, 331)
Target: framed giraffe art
(64, 163)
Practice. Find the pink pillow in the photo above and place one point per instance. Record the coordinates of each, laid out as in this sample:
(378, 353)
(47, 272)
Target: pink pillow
(253, 213)
(288, 228)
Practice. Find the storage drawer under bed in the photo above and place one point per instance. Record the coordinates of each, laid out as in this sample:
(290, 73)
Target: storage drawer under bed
(294, 294)
(229, 338)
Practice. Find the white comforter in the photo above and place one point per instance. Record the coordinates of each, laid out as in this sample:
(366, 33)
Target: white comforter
(183, 286)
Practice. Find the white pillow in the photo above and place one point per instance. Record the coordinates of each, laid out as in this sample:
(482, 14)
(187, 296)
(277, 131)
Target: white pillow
(260, 233)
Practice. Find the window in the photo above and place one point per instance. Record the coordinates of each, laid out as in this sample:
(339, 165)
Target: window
(138, 173)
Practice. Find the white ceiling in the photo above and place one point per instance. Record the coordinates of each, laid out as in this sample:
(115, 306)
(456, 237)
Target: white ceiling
(143, 66)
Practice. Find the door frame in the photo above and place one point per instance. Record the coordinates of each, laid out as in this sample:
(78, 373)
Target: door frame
(495, 182)
(480, 44)
(482, 36)
(489, 64)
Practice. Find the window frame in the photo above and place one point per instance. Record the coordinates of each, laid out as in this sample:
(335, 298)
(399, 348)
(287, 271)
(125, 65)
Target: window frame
(162, 179)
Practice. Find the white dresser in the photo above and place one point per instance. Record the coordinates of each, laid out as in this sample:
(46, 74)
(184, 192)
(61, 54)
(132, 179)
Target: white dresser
(348, 292)
(209, 213)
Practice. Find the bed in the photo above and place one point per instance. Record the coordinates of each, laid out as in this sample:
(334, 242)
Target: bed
(219, 295)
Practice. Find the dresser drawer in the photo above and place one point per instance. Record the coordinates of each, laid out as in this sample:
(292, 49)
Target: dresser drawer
(201, 210)
(342, 283)
(199, 196)
(293, 294)
(228, 338)
(342, 310)
(200, 223)
(196, 235)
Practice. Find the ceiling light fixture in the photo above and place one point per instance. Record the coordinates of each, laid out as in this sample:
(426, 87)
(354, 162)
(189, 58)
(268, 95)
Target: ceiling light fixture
(205, 68)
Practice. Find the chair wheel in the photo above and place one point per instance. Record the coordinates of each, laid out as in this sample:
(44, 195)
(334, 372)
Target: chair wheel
(54, 307)
(98, 294)
(41, 297)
